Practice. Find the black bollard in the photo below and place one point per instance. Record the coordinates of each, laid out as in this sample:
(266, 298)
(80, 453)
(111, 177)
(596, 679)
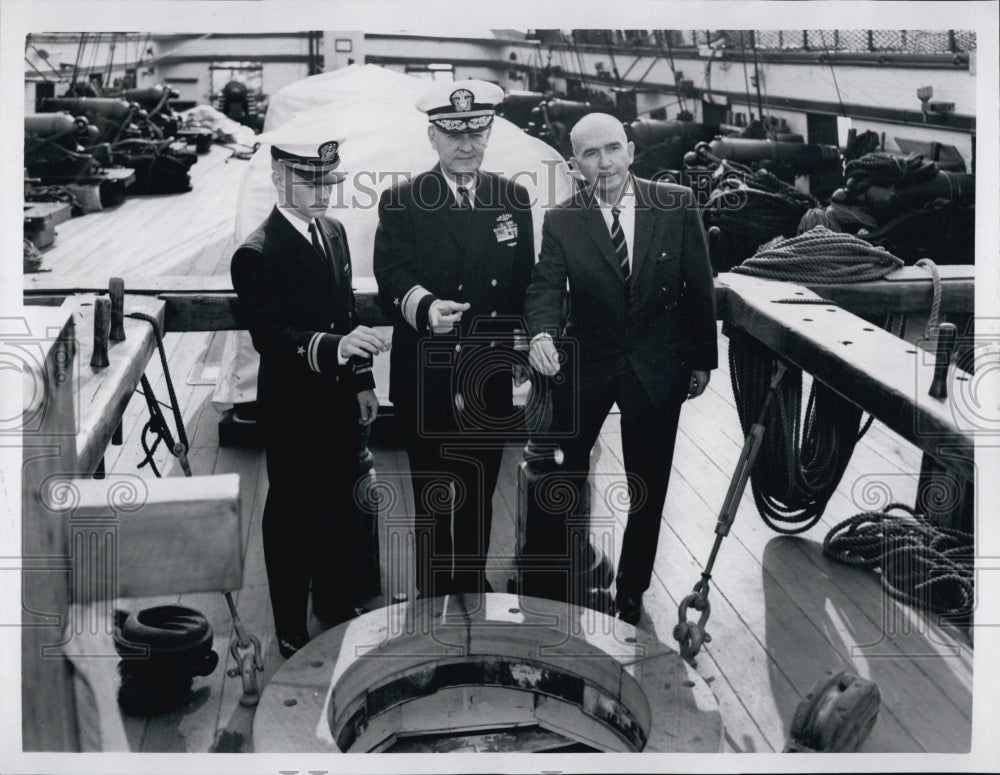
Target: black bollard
(946, 336)
(102, 327)
(116, 290)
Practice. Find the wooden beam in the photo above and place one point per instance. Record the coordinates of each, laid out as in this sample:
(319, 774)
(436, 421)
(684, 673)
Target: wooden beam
(137, 285)
(884, 375)
(43, 337)
(909, 289)
(209, 303)
(156, 536)
(104, 393)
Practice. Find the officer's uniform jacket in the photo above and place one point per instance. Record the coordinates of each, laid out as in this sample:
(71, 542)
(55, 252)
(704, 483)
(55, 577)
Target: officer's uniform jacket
(426, 248)
(298, 304)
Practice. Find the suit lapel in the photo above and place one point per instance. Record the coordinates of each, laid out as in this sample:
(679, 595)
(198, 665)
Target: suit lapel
(596, 228)
(304, 255)
(645, 219)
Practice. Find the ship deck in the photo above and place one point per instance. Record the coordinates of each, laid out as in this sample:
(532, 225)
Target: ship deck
(782, 613)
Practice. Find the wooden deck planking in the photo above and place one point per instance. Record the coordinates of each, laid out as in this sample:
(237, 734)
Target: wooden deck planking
(143, 231)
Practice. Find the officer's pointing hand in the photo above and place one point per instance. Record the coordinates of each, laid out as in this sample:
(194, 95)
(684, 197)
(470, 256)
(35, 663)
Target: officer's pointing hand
(543, 356)
(363, 342)
(444, 314)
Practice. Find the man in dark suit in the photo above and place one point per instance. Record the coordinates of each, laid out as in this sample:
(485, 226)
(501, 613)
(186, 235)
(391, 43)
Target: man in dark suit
(293, 279)
(453, 256)
(640, 333)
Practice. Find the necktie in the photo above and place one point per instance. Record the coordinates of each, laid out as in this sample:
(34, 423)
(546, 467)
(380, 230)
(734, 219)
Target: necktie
(319, 241)
(464, 201)
(618, 240)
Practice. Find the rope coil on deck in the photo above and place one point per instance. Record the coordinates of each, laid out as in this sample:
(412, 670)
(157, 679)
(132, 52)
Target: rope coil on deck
(920, 564)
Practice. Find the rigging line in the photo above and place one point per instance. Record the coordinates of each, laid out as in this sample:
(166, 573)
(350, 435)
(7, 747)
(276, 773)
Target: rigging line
(579, 59)
(833, 72)
(79, 54)
(142, 53)
(673, 67)
(111, 58)
(93, 59)
(756, 72)
(746, 78)
(33, 67)
(634, 63)
(45, 57)
(611, 56)
(648, 69)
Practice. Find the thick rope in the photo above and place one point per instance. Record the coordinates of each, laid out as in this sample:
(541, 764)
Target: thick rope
(928, 567)
(820, 256)
(884, 169)
(930, 330)
(803, 456)
(808, 453)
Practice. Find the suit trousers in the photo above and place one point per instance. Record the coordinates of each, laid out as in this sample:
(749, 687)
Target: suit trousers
(453, 485)
(310, 528)
(558, 529)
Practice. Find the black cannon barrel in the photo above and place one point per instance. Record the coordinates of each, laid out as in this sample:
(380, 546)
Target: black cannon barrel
(107, 107)
(48, 124)
(150, 96)
(803, 157)
(646, 132)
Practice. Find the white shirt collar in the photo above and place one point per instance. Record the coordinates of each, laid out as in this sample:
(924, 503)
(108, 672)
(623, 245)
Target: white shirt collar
(470, 186)
(301, 226)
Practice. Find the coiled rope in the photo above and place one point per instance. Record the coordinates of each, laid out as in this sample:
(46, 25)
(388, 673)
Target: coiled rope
(925, 566)
(820, 255)
(884, 169)
(751, 207)
(803, 456)
(806, 453)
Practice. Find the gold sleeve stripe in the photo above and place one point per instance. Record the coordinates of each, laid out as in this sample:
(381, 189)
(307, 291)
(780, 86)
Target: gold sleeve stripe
(313, 350)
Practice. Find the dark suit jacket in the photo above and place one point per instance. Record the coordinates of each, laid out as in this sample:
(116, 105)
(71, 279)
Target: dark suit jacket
(663, 318)
(483, 258)
(297, 306)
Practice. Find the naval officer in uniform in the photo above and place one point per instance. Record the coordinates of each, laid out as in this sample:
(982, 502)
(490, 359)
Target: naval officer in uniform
(453, 257)
(293, 279)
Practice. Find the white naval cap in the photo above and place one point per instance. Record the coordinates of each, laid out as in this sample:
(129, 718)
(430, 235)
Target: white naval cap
(461, 106)
(309, 154)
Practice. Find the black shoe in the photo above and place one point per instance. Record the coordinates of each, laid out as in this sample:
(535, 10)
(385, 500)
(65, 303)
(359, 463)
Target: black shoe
(289, 645)
(628, 608)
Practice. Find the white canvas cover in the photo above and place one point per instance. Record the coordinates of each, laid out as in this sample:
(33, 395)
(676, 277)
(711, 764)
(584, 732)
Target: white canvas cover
(371, 110)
